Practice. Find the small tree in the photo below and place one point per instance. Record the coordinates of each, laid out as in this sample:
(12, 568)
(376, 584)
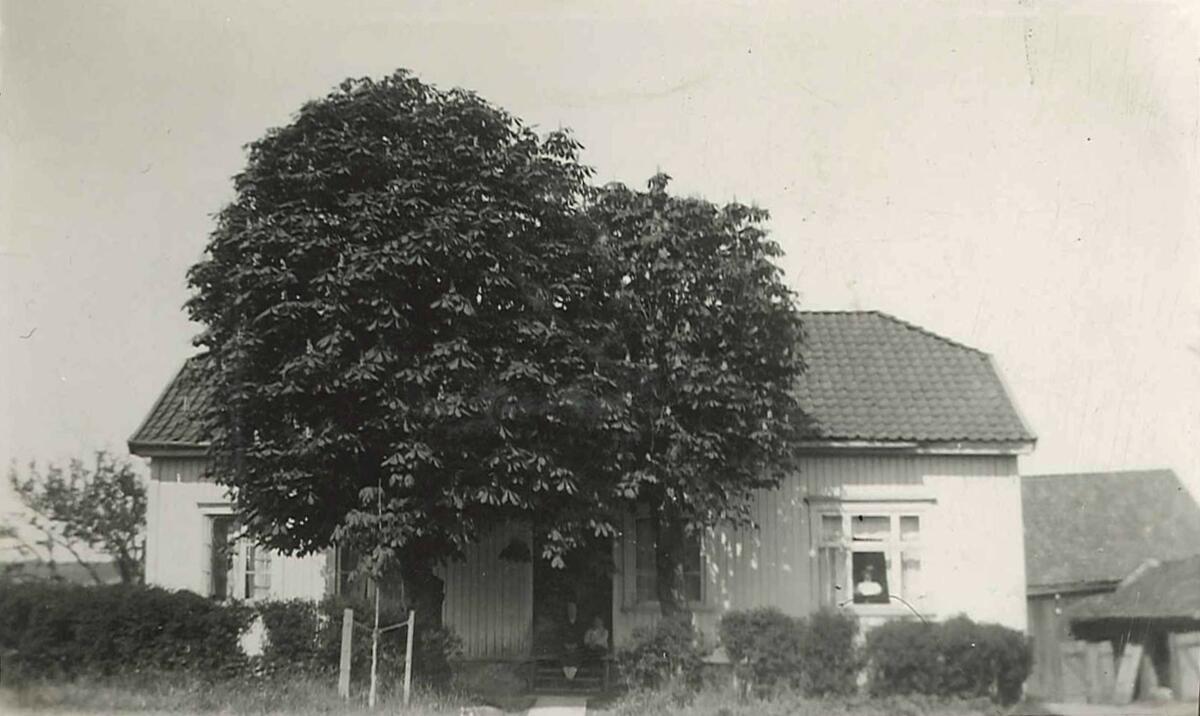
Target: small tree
(101, 508)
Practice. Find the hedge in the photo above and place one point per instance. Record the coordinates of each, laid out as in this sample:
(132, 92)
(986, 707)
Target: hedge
(52, 629)
(957, 658)
(60, 630)
(772, 650)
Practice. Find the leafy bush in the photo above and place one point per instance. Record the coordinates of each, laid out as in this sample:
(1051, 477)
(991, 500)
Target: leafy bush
(828, 654)
(667, 655)
(773, 650)
(956, 658)
(765, 646)
(65, 630)
(308, 635)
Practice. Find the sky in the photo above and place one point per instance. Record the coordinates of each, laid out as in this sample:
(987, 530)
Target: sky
(1021, 177)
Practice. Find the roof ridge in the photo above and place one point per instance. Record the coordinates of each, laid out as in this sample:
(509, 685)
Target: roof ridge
(889, 317)
(927, 332)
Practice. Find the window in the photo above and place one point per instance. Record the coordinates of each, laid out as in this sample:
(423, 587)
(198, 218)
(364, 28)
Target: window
(237, 567)
(646, 576)
(868, 556)
(349, 582)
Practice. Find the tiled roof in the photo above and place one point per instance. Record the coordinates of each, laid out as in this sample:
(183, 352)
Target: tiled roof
(1098, 527)
(873, 377)
(1167, 590)
(870, 377)
(174, 419)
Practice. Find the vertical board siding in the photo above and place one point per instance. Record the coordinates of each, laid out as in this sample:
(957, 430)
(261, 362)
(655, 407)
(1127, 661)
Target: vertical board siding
(973, 533)
(489, 601)
(178, 469)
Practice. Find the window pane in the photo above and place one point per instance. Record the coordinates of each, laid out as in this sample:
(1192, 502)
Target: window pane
(692, 567)
(910, 576)
(646, 575)
(262, 574)
(910, 528)
(873, 528)
(831, 528)
(870, 578)
(831, 568)
(221, 558)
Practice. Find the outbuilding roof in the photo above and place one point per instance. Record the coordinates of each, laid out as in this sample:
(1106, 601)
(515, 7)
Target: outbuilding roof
(871, 378)
(1157, 590)
(1093, 529)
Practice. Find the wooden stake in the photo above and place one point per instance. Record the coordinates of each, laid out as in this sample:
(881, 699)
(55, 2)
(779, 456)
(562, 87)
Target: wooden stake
(408, 656)
(344, 664)
(374, 649)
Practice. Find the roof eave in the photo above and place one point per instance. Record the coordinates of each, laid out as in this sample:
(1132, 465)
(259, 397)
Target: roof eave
(1094, 585)
(920, 447)
(159, 449)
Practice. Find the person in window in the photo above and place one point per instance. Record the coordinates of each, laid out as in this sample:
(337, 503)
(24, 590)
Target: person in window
(870, 582)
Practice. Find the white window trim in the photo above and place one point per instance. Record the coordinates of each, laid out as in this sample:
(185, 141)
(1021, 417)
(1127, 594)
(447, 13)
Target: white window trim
(237, 573)
(893, 507)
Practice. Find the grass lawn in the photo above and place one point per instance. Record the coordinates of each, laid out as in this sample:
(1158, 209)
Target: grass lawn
(171, 694)
(726, 703)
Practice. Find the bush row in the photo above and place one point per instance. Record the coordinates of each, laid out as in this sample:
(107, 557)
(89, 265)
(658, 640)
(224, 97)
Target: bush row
(953, 658)
(815, 655)
(821, 655)
(62, 630)
(52, 629)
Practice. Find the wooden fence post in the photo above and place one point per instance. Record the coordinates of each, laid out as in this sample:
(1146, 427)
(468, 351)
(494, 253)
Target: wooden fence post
(408, 656)
(344, 664)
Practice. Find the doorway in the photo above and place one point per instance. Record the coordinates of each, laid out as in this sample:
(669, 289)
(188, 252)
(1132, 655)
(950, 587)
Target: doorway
(567, 599)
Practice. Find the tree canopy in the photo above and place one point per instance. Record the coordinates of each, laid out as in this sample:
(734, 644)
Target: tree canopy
(400, 319)
(420, 321)
(711, 344)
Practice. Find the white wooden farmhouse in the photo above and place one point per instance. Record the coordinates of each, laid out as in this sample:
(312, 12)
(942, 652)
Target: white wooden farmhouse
(907, 499)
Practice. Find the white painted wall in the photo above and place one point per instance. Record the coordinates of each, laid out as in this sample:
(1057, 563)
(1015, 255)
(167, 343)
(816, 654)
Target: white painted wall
(973, 560)
(178, 503)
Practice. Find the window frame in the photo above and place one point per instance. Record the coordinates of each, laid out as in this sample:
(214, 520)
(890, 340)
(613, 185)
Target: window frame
(240, 551)
(633, 572)
(893, 547)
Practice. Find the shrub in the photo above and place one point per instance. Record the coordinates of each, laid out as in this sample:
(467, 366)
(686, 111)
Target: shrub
(957, 658)
(667, 655)
(765, 646)
(295, 636)
(66, 630)
(904, 658)
(772, 650)
(308, 635)
(828, 654)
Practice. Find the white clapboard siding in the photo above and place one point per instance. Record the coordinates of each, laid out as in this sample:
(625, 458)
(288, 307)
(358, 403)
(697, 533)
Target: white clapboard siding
(179, 504)
(972, 532)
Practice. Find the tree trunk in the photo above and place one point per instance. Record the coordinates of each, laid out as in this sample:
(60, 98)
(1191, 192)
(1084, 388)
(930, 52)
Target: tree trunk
(668, 563)
(424, 591)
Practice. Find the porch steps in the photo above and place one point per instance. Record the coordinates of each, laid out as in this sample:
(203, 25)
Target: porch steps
(559, 706)
(549, 678)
